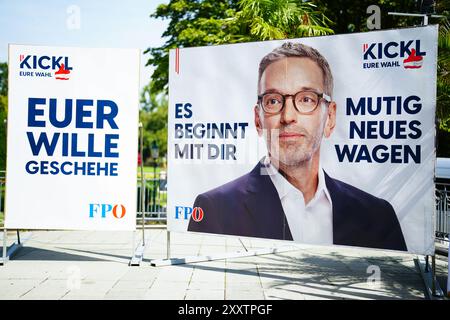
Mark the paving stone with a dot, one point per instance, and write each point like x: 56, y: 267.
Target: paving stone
x: 176, y: 273
x: 140, y: 274
x: 283, y: 294
x: 163, y: 285
x: 48, y: 290
x: 241, y: 277
x: 126, y: 294
x: 255, y: 282
x: 167, y: 294
x: 206, y: 285
x: 76, y: 295
x: 131, y: 285
x: 209, y: 274
x: 14, y: 292
x: 94, y: 265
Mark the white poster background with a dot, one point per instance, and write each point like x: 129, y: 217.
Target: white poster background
x: 221, y: 84
x: 38, y: 201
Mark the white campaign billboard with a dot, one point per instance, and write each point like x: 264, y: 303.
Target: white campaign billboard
x: 72, y: 138
x: 325, y: 140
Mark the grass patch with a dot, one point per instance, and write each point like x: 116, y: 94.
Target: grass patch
x: 148, y: 172
x: 2, y: 215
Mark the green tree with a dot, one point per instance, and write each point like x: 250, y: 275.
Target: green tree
x: 351, y: 16
x: 208, y: 22
x: 3, y: 79
x: 443, y: 90
x: 153, y: 116
x: 3, y: 112
x: 443, y: 81
x: 192, y: 23
x: 280, y: 19
x: 443, y: 73
x: 443, y: 76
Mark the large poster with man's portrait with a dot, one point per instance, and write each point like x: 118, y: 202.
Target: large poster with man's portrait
x: 324, y: 140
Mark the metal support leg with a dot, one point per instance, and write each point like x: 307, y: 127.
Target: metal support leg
x: 432, y: 289
x: 8, y: 252
x: 142, y: 181
x: 5, y: 246
x: 168, y: 245
x: 18, y: 237
x: 238, y: 254
x: 433, y: 274
x: 138, y: 254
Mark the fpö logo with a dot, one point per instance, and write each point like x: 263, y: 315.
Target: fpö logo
x: 406, y: 54
x: 185, y: 212
x: 34, y: 66
x: 101, y: 210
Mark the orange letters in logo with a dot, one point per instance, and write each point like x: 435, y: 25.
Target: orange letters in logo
x: 197, y: 214
x: 122, y: 214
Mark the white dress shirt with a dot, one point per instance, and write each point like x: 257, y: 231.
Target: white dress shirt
x: 311, y: 223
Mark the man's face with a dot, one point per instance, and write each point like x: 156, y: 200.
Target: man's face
x: 293, y: 138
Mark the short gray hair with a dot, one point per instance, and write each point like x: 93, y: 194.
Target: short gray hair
x: 290, y: 49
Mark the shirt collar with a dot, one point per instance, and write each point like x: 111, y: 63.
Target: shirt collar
x: 284, y: 187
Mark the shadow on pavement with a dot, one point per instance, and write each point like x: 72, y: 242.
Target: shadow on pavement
x: 328, y: 277
x: 28, y: 253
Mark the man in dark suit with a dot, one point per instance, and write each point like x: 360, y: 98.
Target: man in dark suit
x: 288, y: 196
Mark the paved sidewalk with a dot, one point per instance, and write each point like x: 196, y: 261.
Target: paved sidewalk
x: 94, y: 265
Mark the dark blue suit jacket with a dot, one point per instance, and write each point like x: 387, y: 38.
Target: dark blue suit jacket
x: 250, y: 206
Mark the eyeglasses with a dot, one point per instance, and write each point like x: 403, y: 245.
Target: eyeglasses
x: 305, y: 102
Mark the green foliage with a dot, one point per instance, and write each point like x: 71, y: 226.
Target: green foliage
x: 351, y: 16
x: 443, y: 81
x: 3, y: 79
x: 3, y: 117
x: 443, y: 77
x: 153, y: 116
x: 208, y: 22
x: 192, y: 23
x: 281, y: 19
x: 3, y: 112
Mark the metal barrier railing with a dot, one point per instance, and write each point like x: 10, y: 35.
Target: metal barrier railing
x: 442, y: 211
x: 2, y: 193
x: 155, y: 198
